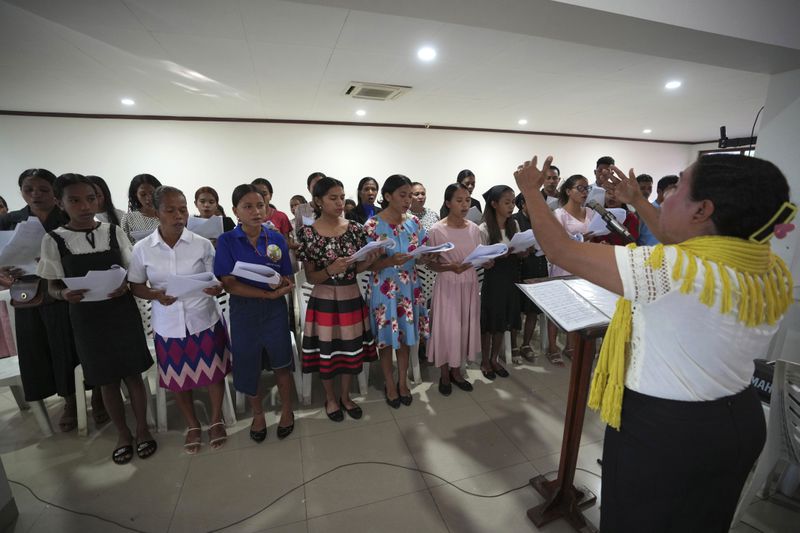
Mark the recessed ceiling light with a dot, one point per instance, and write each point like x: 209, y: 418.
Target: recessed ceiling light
x: 674, y: 84
x: 647, y: 130
x: 128, y: 101
x: 522, y: 121
x: 361, y: 112
x: 426, y: 53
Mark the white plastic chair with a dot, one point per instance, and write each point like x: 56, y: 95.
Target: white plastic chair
x: 10, y: 377
x: 783, y: 432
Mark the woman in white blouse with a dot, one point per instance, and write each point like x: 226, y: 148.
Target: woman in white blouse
x: 673, y: 376
x: 190, y: 338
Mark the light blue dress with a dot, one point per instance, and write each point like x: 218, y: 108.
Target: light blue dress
x: 398, y: 314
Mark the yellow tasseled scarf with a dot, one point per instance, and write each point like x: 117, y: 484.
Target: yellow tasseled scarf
x: 763, y: 284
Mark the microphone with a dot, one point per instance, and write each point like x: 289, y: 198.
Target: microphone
x: 611, y: 221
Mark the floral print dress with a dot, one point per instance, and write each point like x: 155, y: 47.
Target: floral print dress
x: 396, y: 301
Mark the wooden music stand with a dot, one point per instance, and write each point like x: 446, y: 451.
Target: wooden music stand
x: 562, y: 498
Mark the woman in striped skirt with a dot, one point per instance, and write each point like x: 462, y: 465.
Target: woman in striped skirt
x: 336, y: 336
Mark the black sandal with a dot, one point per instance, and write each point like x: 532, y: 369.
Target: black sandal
x: 488, y: 374
x: 500, y: 371
x: 146, y: 449
x: 405, y: 400
x: 122, y: 455
x: 285, y: 431
x: 337, y: 415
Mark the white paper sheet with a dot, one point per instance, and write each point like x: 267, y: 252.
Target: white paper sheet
x: 385, y: 244
x: 552, y: 203
x: 22, y: 246
x: 521, y: 241
x: 564, y: 305
x: 99, y: 282
x: 254, y: 272
x: 425, y: 249
x: 596, y: 193
x: 138, y: 235
x: 303, y: 216
x: 210, y: 228
x: 598, y: 226
x: 191, y: 285
x: 485, y: 253
x: 474, y: 215
x: 602, y: 299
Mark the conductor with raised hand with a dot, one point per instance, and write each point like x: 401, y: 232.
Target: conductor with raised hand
x: 673, y: 377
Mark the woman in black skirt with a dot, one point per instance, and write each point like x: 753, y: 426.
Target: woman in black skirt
x: 108, y: 333
x: 673, y: 376
x: 47, y: 357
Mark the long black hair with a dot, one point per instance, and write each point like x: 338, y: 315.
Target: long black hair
x: 66, y: 180
x: 111, y: 212
x: 392, y: 183
x: 731, y: 183
x: 241, y: 191
x: 41, y: 173
x: 490, y: 214
x: 140, y: 179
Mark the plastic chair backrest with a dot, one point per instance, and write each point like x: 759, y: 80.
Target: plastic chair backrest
x: 787, y: 378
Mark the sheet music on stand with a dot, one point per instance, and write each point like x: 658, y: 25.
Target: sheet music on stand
x: 573, y: 304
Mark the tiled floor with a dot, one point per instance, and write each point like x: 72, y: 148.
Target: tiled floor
x: 488, y: 441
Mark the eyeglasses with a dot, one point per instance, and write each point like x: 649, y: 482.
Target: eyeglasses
x: 583, y: 188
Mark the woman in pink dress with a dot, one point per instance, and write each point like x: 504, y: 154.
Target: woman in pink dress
x: 455, y: 307
x: 575, y: 219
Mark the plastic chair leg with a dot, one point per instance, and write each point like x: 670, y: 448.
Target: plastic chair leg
x: 363, y: 380
x: 80, y: 402
x: 42, y: 418
x: 297, y: 374
x: 415, y: 370
x: 19, y: 397
x: 240, y: 402
x: 161, y: 409
x: 543, y: 332
x: 151, y: 422
x: 228, y: 412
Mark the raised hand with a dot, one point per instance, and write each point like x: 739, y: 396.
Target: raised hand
x: 528, y: 177
x: 625, y: 188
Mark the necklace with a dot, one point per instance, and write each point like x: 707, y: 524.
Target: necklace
x: 255, y: 246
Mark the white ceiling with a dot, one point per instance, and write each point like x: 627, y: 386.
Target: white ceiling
x: 293, y: 60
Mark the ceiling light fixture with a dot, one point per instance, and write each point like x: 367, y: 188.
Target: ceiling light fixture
x: 426, y: 53
x: 128, y: 101
x: 647, y: 130
x: 674, y: 84
x: 522, y: 121
x: 361, y: 112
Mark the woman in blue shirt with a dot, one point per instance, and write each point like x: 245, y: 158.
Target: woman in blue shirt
x: 259, y: 319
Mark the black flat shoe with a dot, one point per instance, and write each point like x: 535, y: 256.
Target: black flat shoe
x: 405, y: 400
x: 445, y: 389
x: 394, y: 404
x: 146, y: 448
x: 488, y: 374
x: 355, y: 413
x: 462, y: 384
x: 259, y: 435
x: 336, y: 416
x: 284, y: 432
x: 502, y: 372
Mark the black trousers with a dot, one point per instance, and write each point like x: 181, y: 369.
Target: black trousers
x: 679, y: 466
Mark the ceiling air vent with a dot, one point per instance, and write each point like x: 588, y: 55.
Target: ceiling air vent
x: 375, y: 91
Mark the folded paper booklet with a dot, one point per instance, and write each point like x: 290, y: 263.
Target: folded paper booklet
x: 522, y: 241
x: 598, y: 226
x: 385, y: 244
x: 596, y: 193
x: 190, y: 285
x: 425, y: 249
x: 254, y: 272
x: 21, y: 247
x: 100, y: 283
x: 573, y: 304
x: 210, y: 228
x: 485, y: 253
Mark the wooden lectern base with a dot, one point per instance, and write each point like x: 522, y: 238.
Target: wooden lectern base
x: 562, y: 499
x: 561, y: 503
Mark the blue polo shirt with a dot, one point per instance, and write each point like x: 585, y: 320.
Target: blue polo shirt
x: 234, y: 246
x: 646, y: 237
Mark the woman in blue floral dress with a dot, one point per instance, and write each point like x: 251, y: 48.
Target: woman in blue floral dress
x: 399, y: 317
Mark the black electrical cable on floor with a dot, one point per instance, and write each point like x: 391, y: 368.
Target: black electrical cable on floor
x: 283, y: 495
x: 276, y: 500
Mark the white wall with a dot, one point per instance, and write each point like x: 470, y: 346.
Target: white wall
x: 191, y: 154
